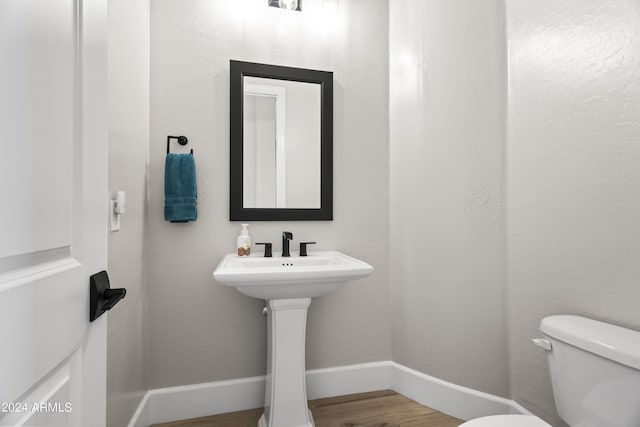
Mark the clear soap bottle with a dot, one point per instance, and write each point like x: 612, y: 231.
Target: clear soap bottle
x: 244, y: 241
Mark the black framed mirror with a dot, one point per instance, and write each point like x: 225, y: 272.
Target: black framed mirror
x: 281, y: 143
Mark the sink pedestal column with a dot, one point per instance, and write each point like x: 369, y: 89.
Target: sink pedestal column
x: 286, y: 391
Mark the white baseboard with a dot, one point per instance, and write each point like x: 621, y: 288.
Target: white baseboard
x: 341, y: 380
x: 452, y: 399
x: 198, y: 400
x: 141, y: 418
x: 179, y: 403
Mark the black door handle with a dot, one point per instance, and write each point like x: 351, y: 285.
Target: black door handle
x: 101, y: 296
x: 112, y: 296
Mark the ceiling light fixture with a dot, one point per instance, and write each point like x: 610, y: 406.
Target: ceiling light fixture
x: 286, y: 4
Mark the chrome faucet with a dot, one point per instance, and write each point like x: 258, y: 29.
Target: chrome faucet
x: 286, y: 236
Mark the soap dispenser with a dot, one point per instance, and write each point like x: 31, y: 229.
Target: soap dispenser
x: 244, y: 241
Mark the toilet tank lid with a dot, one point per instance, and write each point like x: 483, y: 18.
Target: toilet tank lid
x: 619, y: 344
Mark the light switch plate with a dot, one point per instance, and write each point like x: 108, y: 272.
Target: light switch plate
x: 114, y: 218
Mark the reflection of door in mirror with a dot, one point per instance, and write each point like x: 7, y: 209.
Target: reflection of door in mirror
x: 263, y: 146
x: 281, y: 144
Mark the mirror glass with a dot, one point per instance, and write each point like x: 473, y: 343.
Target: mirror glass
x: 281, y: 143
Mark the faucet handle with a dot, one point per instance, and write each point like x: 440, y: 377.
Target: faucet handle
x: 267, y: 249
x: 303, y: 247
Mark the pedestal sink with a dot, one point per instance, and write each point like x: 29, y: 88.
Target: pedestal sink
x: 288, y: 284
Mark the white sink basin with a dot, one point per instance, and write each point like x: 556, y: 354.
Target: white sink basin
x: 291, y: 277
x: 288, y: 284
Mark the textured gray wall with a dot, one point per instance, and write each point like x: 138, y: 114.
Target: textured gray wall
x: 447, y: 109
x: 128, y: 75
x: 573, y: 164
x: 199, y: 330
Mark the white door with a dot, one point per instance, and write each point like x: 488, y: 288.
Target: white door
x: 53, y: 207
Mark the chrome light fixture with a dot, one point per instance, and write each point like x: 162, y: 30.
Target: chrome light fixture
x: 286, y: 4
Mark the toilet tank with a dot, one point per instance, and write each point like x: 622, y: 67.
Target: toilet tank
x: 595, y: 371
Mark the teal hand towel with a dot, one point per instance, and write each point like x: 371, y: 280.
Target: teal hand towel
x: 180, y: 197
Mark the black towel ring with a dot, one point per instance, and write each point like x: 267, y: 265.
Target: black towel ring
x: 182, y: 140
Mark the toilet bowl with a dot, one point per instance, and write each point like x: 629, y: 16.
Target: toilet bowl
x: 506, y: 421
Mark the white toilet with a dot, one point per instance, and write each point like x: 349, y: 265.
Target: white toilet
x: 595, y: 373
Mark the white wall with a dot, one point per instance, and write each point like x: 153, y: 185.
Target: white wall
x: 200, y: 331
x: 447, y: 109
x: 303, y: 145
x: 128, y: 75
x: 573, y: 167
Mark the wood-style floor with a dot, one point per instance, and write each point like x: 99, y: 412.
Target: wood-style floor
x: 384, y: 408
